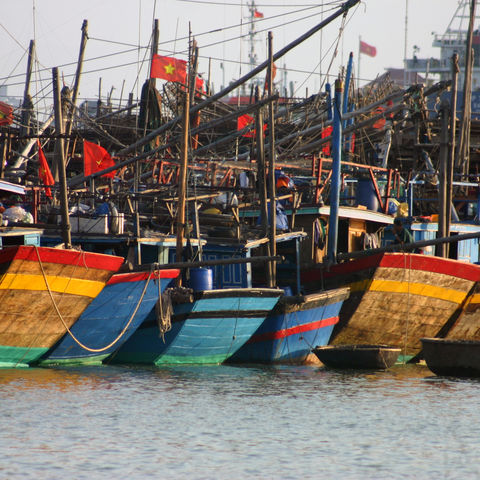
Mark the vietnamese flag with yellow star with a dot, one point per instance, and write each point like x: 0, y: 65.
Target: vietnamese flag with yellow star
x: 168, y: 68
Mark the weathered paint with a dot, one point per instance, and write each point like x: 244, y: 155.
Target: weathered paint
x: 397, y: 298
x: 290, y: 332
x: 11, y: 357
x: 29, y: 324
x: 58, y: 284
x: 108, y: 314
x: 208, y: 330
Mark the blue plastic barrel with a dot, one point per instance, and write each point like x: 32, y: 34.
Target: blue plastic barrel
x: 201, y: 279
x: 366, y: 195
x: 288, y: 291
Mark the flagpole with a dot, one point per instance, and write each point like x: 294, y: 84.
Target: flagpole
x: 359, y: 54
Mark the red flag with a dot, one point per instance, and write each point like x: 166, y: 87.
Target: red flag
x: 199, y: 85
x: 367, y: 49
x: 243, y: 121
x: 6, y: 114
x: 95, y: 159
x: 44, y: 171
x: 257, y: 14
x: 326, y: 148
x: 380, y: 123
x: 168, y: 68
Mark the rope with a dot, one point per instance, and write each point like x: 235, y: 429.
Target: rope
x: 78, y: 342
x: 164, y: 315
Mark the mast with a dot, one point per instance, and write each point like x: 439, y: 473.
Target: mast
x: 182, y: 181
x: 60, y: 160
x: 451, y: 142
x: 271, y: 170
x: 336, y: 169
x: 76, y: 85
x: 463, y: 150
x: 27, y: 103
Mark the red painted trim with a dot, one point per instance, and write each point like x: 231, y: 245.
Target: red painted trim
x: 307, y: 327
x: 64, y: 257
x: 138, y: 277
x: 426, y: 263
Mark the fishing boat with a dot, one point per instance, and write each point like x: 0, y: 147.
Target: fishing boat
x: 358, y: 356
x: 459, y: 358
x: 111, y: 318
x: 397, y: 298
x: 207, y: 327
x: 43, y: 291
x: 293, y: 327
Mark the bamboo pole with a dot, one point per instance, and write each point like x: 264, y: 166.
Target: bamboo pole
x: 208, y: 263
x: 60, y: 160
x: 336, y: 173
x: 262, y: 184
x: 406, y: 247
x: 440, y: 249
x: 271, y: 170
x: 451, y: 153
x: 25, y: 127
x: 76, y: 84
x: 464, y: 140
x: 182, y: 181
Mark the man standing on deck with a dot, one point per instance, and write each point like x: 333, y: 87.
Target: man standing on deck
x: 401, y: 234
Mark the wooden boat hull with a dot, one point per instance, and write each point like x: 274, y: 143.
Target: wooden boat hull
x: 127, y: 297
x: 466, y: 325
x: 397, y: 298
x: 459, y: 358
x: 358, y: 356
x: 293, y: 328
x: 33, y: 281
x: 206, y: 331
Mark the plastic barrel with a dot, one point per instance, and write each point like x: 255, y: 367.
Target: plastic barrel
x: 366, y: 195
x: 288, y: 291
x: 201, y: 279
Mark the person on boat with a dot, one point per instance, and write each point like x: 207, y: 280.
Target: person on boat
x: 401, y: 234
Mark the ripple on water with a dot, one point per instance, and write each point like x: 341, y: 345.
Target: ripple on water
x: 237, y: 422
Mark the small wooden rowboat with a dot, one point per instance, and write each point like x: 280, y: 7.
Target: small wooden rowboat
x: 358, y: 356
x: 459, y: 358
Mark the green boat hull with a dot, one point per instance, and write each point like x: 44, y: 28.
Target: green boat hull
x: 11, y: 357
x: 96, y: 360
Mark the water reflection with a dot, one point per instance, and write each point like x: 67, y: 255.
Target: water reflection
x: 236, y: 422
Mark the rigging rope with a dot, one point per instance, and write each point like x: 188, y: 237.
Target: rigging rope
x: 78, y: 342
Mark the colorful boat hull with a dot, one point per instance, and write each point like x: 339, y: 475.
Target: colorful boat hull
x: 207, y: 330
x: 397, y: 298
x: 111, y: 318
x: 296, y: 325
x: 43, y: 291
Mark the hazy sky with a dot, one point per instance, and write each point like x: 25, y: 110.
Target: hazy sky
x: 56, y: 27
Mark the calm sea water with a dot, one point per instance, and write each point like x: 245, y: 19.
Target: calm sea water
x: 237, y: 423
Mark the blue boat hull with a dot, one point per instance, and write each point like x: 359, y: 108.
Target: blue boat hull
x: 106, y: 318
x: 293, y: 329
x: 207, y: 330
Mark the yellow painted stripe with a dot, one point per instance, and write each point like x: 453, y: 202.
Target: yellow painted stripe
x: 475, y: 298
x: 73, y: 286
x: 421, y: 289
